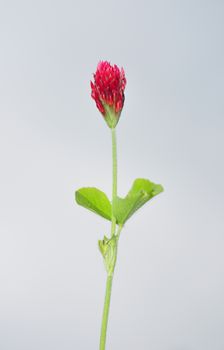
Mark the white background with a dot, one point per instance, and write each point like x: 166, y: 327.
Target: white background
x: 168, y: 291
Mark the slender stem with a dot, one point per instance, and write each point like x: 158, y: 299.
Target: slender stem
x: 106, y: 313
x: 113, y: 231
x: 119, y: 231
x: 114, y: 178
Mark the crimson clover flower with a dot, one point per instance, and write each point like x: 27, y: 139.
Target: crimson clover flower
x: 108, y: 91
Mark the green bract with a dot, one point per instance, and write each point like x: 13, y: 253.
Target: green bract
x: 95, y: 200
x: 110, y: 116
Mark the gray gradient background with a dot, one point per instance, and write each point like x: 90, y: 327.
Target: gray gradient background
x: 168, y: 292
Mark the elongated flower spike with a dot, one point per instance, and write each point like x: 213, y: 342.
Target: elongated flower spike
x: 108, y: 91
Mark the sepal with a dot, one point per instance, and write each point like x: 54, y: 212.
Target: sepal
x: 111, y: 116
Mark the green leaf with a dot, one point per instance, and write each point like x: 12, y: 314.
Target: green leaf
x: 141, y: 192
x: 95, y: 200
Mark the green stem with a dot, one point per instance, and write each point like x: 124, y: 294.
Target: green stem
x: 106, y: 313
x: 114, y: 179
x: 113, y: 231
x: 119, y: 231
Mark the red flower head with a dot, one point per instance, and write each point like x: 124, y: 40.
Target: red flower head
x: 108, y: 91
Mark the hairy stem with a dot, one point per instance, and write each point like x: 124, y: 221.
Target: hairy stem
x: 114, y: 179
x: 106, y: 313
x: 113, y: 231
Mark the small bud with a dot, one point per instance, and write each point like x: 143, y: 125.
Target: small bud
x: 108, y: 249
x: 108, y: 91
